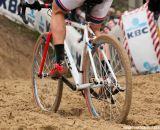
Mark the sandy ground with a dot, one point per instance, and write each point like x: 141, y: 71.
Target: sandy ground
x: 17, y: 107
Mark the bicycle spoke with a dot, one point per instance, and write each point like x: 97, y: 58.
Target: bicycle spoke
x: 46, y: 67
x: 109, y: 100
x: 48, y: 92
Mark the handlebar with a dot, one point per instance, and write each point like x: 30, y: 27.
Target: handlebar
x: 23, y: 6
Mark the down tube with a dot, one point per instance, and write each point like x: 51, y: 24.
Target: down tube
x: 73, y: 69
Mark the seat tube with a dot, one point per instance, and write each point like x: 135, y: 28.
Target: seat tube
x: 90, y: 54
x: 92, y: 64
x: 49, y: 36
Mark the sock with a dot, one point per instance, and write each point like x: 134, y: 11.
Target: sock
x: 105, y: 67
x: 59, y: 49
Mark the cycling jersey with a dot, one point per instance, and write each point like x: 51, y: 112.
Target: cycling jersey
x: 97, y: 14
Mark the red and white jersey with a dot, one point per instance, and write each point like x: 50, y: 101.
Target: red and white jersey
x: 98, y: 13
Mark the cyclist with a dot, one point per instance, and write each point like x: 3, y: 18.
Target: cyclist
x: 95, y: 9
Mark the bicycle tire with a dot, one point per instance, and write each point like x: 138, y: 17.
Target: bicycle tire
x: 53, y: 88
x: 90, y: 93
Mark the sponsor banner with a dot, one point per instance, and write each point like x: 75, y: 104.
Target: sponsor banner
x: 118, y: 33
x: 140, y: 41
x: 38, y: 20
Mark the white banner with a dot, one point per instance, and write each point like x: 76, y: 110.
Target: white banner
x: 140, y: 41
x: 38, y: 20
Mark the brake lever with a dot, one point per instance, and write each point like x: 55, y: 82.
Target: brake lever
x: 22, y: 9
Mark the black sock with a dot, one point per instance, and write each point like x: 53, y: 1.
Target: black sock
x: 105, y: 67
x: 59, y: 49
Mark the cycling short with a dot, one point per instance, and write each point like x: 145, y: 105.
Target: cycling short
x: 98, y: 12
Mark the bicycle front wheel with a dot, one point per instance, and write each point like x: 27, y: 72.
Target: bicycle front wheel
x: 112, y: 99
x: 47, y: 92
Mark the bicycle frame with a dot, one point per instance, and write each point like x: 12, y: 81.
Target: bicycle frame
x: 77, y: 75
x: 87, y: 46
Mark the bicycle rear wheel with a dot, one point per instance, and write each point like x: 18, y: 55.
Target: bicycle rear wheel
x: 111, y: 100
x: 47, y: 92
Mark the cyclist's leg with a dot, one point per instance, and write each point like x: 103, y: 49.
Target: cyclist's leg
x: 98, y: 15
x: 60, y: 7
x: 58, y: 31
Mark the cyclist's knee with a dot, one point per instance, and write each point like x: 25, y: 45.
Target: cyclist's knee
x: 96, y: 28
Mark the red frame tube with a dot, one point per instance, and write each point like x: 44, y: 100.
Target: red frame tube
x: 49, y: 36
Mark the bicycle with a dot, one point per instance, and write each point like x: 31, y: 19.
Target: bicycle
x: 106, y: 84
